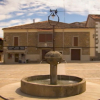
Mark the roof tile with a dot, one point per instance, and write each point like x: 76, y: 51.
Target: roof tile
x: 95, y: 17
x: 45, y: 24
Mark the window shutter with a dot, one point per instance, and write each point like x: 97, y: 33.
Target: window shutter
x: 45, y: 37
x: 15, y: 41
x: 48, y: 37
x: 75, y: 41
x: 41, y: 37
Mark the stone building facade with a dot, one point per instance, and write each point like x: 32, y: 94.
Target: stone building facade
x: 31, y: 42
x: 94, y: 21
x: 1, y: 50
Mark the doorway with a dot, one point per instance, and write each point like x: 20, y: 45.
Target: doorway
x: 75, y: 54
x: 16, y: 57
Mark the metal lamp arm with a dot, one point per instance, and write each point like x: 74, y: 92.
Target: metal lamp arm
x: 49, y: 20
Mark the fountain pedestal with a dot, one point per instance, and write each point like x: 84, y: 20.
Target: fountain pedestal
x: 53, y: 58
x: 53, y: 74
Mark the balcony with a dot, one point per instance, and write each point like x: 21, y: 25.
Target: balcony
x: 14, y: 49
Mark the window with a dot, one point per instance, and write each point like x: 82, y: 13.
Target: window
x: 75, y: 40
x: 15, y: 41
x: 45, y: 37
x: 9, y: 56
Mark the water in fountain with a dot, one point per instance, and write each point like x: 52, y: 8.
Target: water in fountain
x: 47, y: 82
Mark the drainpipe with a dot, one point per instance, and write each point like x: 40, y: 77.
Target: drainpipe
x: 27, y: 37
x: 63, y: 28
x: 26, y: 44
x: 63, y: 44
x: 64, y: 22
x: 95, y: 44
x: 63, y: 39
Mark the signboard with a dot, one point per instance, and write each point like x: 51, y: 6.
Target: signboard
x: 16, y: 48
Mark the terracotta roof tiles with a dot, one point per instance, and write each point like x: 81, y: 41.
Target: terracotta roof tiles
x: 95, y: 17
x: 45, y: 24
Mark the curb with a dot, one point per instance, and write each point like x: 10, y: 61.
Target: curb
x: 3, y: 98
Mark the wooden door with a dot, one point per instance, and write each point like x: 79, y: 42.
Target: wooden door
x: 16, y: 57
x: 15, y: 41
x: 75, y: 54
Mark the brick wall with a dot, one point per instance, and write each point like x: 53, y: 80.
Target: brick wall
x: 58, y: 39
x: 9, y: 39
x: 84, y: 41
x: 32, y: 38
x: 33, y: 50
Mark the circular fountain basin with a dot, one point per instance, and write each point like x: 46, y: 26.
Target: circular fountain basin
x: 40, y: 86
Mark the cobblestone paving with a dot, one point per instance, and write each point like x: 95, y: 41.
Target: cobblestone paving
x: 12, y: 73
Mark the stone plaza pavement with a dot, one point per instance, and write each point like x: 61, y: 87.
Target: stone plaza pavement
x: 13, y: 73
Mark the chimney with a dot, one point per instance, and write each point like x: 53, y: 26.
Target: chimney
x: 33, y: 20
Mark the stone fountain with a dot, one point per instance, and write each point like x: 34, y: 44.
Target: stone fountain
x: 69, y: 85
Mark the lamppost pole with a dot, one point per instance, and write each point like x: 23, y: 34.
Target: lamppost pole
x: 53, y: 39
x: 53, y: 24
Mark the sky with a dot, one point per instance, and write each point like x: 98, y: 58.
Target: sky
x: 18, y: 12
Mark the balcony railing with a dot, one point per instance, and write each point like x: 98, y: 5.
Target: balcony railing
x: 16, y: 47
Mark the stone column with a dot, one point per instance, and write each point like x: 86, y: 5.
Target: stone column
x: 53, y: 74
x: 53, y: 58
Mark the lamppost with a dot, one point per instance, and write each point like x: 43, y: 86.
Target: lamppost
x: 53, y: 14
x: 53, y: 57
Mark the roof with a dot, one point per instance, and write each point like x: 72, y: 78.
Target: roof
x: 95, y: 17
x: 46, y: 25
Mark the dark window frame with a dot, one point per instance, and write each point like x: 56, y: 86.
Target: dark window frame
x: 16, y: 43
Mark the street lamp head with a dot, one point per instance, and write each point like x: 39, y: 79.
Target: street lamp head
x: 50, y: 10
x: 53, y: 15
